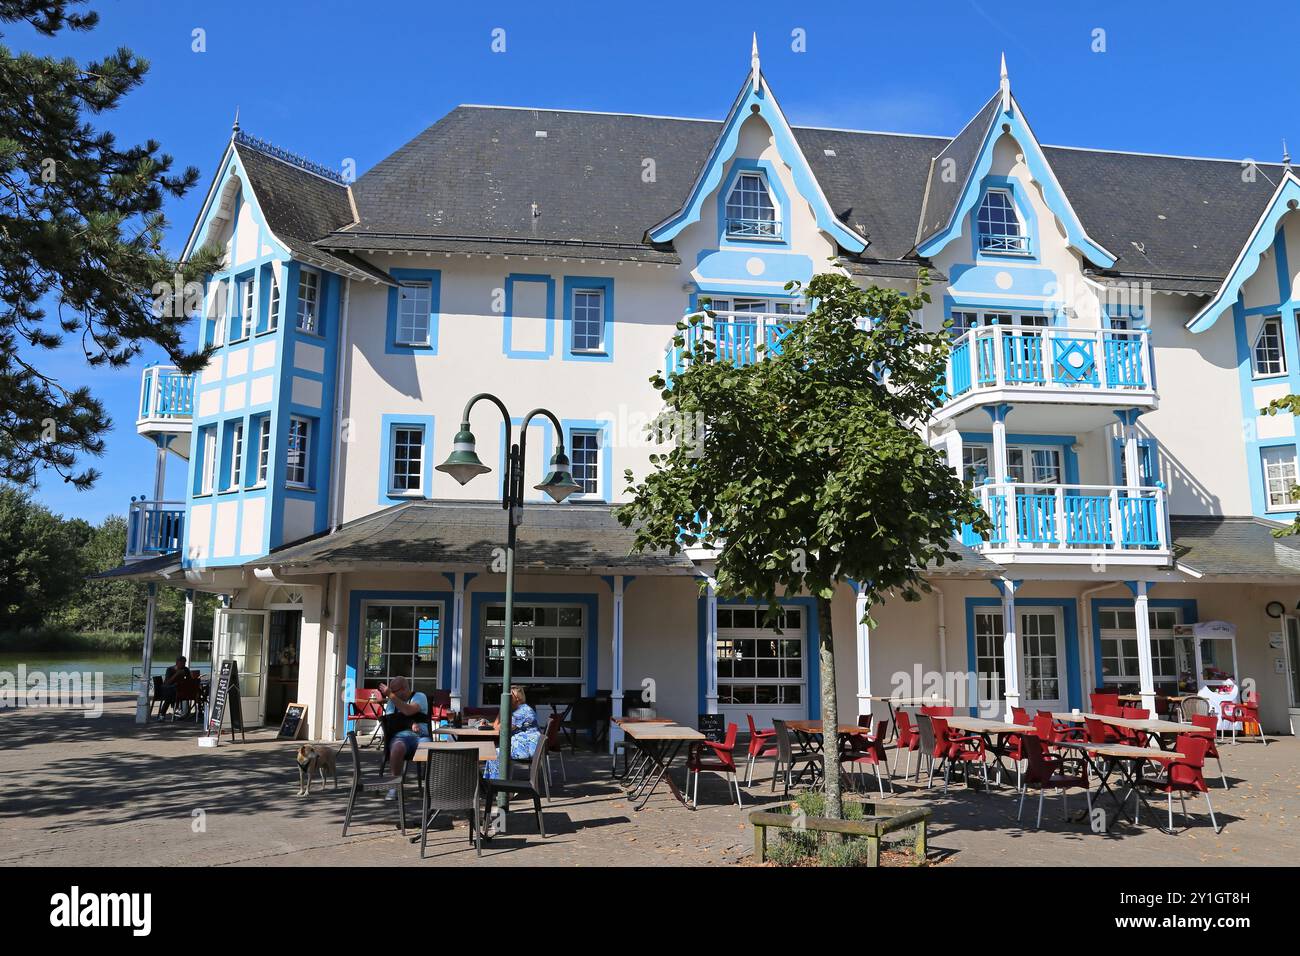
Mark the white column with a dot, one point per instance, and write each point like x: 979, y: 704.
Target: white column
x: 864, y: 652
x: 187, y: 631
x: 1146, y: 673
x: 955, y: 451
x: 146, y: 678
x: 457, y: 636
x: 711, y: 649
x: 160, y: 474
x: 999, y: 448
x: 616, y: 664
x: 1132, y: 461
x: 1010, y: 647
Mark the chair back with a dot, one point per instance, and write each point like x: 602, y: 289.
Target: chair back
x: 1096, y: 730
x: 729, y: 742
x: 1194, y: 707
x: 367, y: 704
x: 937, y: 711
x: 537, y: 769
x: 1020, y: 716
x: 552, y: 734
x: 356, y: 759
x: 784, y: 752
x: 157, y: 686
x: 452, y: 778
x: 1187, y: 771
x: 941, y: 745
x: 1102, y: 699
x: 187, y: 688
x: 1037, y: 770
x: 1043, y: 726
x: 1212, y: 725
x: 1109, y: 710
x: 903, y: 724
x: 439, y: 703
x: 925, y: 732
x: 753, y: 730
x: 1134, y: 713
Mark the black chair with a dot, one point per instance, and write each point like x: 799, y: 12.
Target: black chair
x: 360, y: 786
x: 531, y: 789
x: 581, y: 716
x: 156, y: 703
x: 787, y: 759
x: 452, y: 786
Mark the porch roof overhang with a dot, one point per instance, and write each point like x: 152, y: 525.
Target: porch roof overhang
x: 572, y: 538
x: 1234, y: 550
x: 165, y: 568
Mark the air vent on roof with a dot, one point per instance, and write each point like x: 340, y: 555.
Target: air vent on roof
x: 828, y: 152
x: 540, y: 134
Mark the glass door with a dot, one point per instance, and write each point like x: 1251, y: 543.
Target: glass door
x: 241, y: 637
x: 1041, y: 642
x: 1293, y: 660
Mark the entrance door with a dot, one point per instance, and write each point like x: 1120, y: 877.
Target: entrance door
x: 761, y: 672
x: 1293, y: 667
x: 241, y: 637
x: 284, y: 645
x: 1043, y: 656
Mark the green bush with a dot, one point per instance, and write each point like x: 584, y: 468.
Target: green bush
x: 57, y: 639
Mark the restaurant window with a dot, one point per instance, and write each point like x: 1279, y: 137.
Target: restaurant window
x: 756, y: 664
x: 990, y: 661
x: 1119, y: 647
x: 402, y: 640
x: 549, y: 644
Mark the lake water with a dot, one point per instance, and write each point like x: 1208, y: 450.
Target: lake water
x: 116, y: 668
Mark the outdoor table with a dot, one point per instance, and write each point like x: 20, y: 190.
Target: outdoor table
x: 1159, y: 729
x: 466, y: 733
x: 631, y: 767
x: 810, y: 732
x: 1175, y: 700
x: 892, y: 702
x: 1130, y: 761
x: 660, y: 744
x: 988, y: 729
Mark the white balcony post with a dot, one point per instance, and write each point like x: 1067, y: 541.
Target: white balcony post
x: 863, y: 635
x: 1116, y: 532
x: 956, y: 451
x: 1010, y: 647
x: 1162, y: 517
x: 146, y: 663
x: 160, y: 473
x: 711, y: 648
x: 1146, y: 672
x: 1060, y: 516
x: 999, y: 366
x: 616, y: 664
x: 187, y: 630
x: 457, y: 637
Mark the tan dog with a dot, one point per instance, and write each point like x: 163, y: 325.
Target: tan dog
x: 313, y: 759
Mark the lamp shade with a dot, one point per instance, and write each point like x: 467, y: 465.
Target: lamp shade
x: 463, y: 462
x: 559, y: 483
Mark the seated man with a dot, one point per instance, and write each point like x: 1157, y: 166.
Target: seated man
x: 168, y: 695
x: 406, y: 724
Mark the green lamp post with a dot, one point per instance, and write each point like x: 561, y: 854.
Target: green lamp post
x: 463, y: 464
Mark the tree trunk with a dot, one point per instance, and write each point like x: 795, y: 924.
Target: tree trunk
x: 830, y: 710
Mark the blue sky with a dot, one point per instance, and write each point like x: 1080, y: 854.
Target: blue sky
x: 347, y: 80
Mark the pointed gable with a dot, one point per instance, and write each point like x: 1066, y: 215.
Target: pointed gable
x: 956, y: 175
x: 755, y: 98
x: 1286, y: 199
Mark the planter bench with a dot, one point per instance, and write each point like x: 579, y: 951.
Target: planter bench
x: 881, y: 818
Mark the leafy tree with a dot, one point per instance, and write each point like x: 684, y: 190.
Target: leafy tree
x: 1290, y: 405
x: 810, y: 468
x: 40, y: 562
x: 81, y: 233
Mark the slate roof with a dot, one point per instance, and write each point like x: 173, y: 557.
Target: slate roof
x: 469, y: 182
x: 1240, y: 548
x: 150, y: 569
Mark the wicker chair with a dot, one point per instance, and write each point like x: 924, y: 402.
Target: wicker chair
x: 531, y: 789
x: 360, y: 786
x: 451, y: 785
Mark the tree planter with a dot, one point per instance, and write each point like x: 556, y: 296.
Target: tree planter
x: 880, y: 819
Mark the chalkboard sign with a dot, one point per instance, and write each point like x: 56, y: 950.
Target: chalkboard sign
x: 714, y: 727
x: 294, y: 724
x: 223, y: 699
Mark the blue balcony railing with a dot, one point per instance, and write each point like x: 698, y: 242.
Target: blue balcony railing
x: 1071, y: 517
x: 1000, y: 356
x: 737, y: 337
x: 166, y: 395
x: 154, y: 528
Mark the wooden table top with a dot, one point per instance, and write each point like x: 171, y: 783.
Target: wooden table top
x: 816, y: 727
x: 662, y: 732
x: 486, y: 750
x: 485, y: 733
x: 1123, y: 751
x: 1150, y: 726
x: 623, y: 721
x: 1137, y: 698
x: 982, y: 725
x: 915, y: 701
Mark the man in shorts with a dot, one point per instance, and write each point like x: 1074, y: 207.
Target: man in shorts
x: 399, y: 700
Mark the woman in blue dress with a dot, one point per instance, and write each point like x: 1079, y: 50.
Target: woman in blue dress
x: 524, y: 732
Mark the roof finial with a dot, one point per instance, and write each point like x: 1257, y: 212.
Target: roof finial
x: 234, y: 127
x: 753, y: 61
x: 1286, y: 155
x: 1004, y: 83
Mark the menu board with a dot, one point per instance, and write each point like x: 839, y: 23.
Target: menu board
x: 713, y: 727
x: 222, y: 700
x: 294, y: 724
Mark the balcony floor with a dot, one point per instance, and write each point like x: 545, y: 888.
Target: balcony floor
x: 1048, y: 410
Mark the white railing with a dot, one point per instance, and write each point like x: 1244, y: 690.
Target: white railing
x: 166, y: 394
x: 154, y: 528
x: 999, y: 356
x: 1101, y: 518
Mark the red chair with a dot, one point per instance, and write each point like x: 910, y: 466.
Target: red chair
x: 439, y: 705
x: 937, y: 711
x: 1185, y: 775
x: 1013, y: 745
x: 1045, y: 770
x: 1100, y: 733
x: 762, y: 743
x: 859, y: 749
x: 906, y: 739
x: 1209, y: 723
x: 1247, y: 712
x: 717, y: 757
x: 1102, y: 699
x: 1059, y: 730
x: 1135, y: 713
x: 959, y: 749
x: 1020, y: 716
x: 553, y: 748
x: 368, y: 705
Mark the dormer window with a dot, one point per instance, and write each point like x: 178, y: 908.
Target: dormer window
x: 751, y: 214
x: 1000, y: 228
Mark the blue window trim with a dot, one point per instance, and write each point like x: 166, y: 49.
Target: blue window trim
x: 1188, y: 606
x: 352, y: 667
x: 605, y: 428
x: 812, y: 640
x: 388, y: 424
x: 434, y: 278
x: 779, y: 199
x: 507, y: 346
x: 590, y: 602
x: 1150, y: 457
x: 1014, y: 189
x: 1069, y: 621
x: 606, y: 285
x: 540, y: 425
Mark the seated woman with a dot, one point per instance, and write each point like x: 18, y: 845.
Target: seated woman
x: 524, y: 732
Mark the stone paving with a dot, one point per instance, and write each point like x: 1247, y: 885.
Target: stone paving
x: 107, y: 792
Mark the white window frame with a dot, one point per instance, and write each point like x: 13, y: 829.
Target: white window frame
x: 387, y: 657
x: 737, y: 187
x: 218, y: 309
x: 598, y: 465
x: 729, y: 633
x: 406, y: 330
x: 578, y: 632
x: 273, y: 304
x: 309, y: 304
x: 1119, y: 635
x: 208, y: 471
x: 421, y: 464
x: 1271, y: 323
x: 1022, y: 234
x: 1290, y: 502
x: 599, y: 347
x: 263, y: 450
x: 990, y: 658
x: 234, y: 477
x: 247, y: 292
x: 304, y: 465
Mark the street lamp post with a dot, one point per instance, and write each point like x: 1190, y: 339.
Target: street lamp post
x: 463, y: 464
